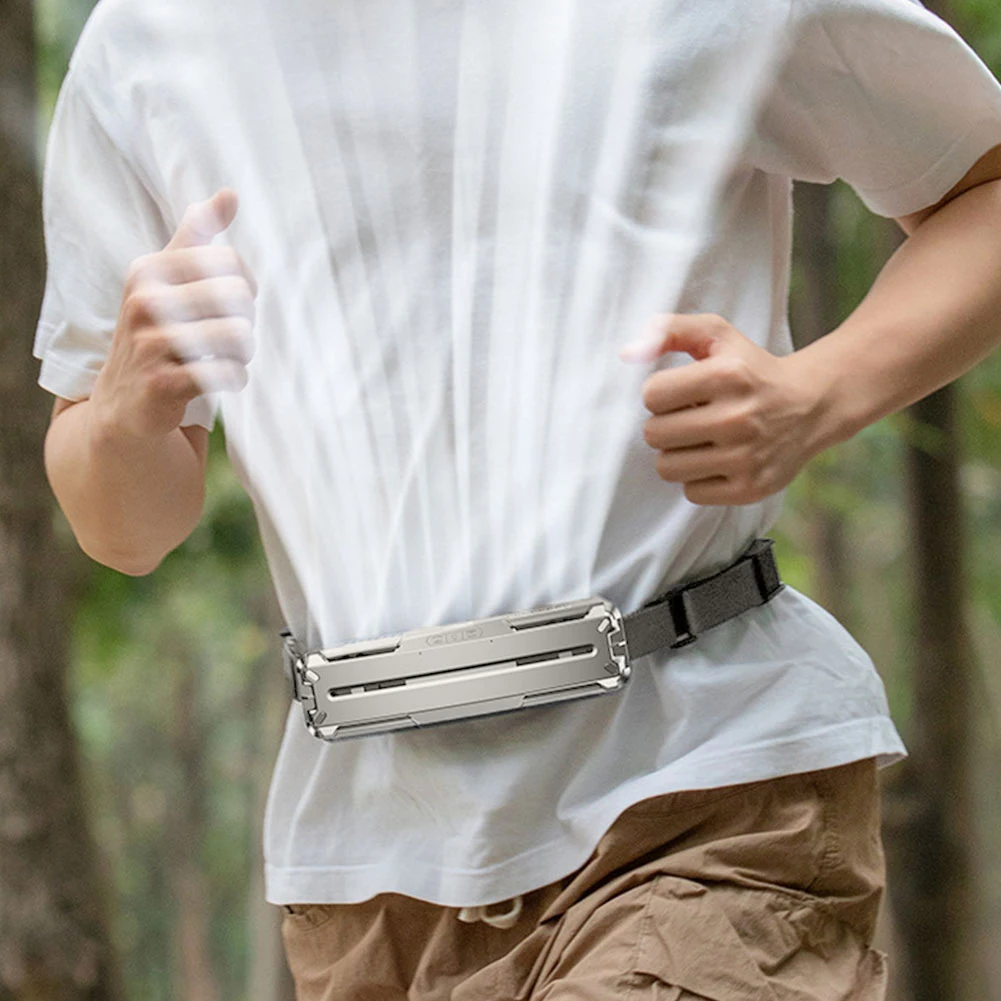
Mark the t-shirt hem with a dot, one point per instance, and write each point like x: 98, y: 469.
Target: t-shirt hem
x: 76, y: 382
x: 447, y: 886
x: 71, y: 382
x: 939, y: 179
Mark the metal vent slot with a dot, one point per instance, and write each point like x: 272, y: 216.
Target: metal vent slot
x: 572, y: 652
x: 491, y: 664
x: 374, y: 687
x: 567, y: 616
x: 371, y: 649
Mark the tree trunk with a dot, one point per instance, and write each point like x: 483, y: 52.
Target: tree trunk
x: 54, y: 942
x: 268, y: 978
x: 815, y: 306
x: 933, y: 837
x: 194, y: 973
x: 930, y: 818
x: 816, y: 312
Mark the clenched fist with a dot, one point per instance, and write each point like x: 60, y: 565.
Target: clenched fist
x: 735, y: 426
x: 185, y: 327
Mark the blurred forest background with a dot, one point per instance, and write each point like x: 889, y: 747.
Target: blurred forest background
x: 130, y: 864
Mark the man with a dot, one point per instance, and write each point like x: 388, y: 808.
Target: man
x: 450, y: 220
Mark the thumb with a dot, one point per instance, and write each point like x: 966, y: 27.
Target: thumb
x: 696, y: 334
x: 205, y: 220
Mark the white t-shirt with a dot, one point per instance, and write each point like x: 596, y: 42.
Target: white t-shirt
x: 457, y: 212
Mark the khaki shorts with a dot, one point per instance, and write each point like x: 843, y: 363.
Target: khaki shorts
x: 761, y: 892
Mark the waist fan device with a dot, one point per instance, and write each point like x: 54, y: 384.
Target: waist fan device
x: 501, y: 663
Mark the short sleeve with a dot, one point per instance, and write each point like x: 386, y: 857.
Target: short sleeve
x: 882, y: 94
x: 99, y: 214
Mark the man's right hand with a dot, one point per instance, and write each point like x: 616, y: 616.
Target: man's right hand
x: 185, y: 327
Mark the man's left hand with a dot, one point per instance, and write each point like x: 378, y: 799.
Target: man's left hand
x: 734, y: 427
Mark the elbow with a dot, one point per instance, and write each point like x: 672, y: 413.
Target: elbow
x: 130, y: 564
x: 135, y: 569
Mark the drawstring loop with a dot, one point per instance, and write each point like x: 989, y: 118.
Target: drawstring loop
x: 504, y: 920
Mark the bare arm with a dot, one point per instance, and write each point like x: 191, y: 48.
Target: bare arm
x: 932, y: 314
x: 129, y: 502
x: 741, y: 424
x: 128, y: 477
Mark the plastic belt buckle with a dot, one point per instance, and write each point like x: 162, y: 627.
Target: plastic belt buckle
x: 765, y: 571
x: 680, y: 619
x: 293, y: 661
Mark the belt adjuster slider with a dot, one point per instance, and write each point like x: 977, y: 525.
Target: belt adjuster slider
x: 294, y: 662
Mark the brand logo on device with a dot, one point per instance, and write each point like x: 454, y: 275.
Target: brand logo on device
x: 469, y: 633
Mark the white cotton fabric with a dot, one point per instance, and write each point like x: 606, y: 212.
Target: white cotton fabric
x: 457, y: 212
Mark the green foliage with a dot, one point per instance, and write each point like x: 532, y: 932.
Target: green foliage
x: 979, y: 22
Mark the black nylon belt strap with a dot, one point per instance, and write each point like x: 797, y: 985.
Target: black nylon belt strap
x: 676, y: 618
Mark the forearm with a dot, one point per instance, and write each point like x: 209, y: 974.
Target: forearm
x: 129, y: 501
x: 932, y: 315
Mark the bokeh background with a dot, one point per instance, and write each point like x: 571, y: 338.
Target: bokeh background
x: 139, y: 717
